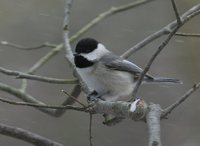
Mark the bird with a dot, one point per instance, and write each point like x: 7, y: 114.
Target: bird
x: 110, y: 76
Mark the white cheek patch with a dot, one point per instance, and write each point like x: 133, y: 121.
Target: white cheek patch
x: 134, y: 105
x: 97, y: 53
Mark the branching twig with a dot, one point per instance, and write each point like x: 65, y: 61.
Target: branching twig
x: 45, y: 58
x: 41, y: 62
x: 163, y: 31
x: 27, y: 136
x: 56, y: 112
x: 170, y: 108
x: 43, y: 106
x: 25, y: 97
x: 57, y: 48
x: 160, y: 48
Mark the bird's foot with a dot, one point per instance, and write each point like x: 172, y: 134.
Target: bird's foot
x: 94, y: 96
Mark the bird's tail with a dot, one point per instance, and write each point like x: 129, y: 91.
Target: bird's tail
x: 165, y: 80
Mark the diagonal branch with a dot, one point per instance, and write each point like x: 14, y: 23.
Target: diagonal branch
x: 41, y: 62
x: 110, y: 12
x: 160, y: 48
x: 163, y: 31
x: 170, y: 108
x: 24, y: 96
x: 30, y: 100
x: 27, y: 136
x: 45, y: 58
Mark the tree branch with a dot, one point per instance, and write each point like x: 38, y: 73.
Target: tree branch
x: 163, y: 31
x: 160, y: 48
x: 41, y: 62
x: 153, y: 124
x: 187, y: 34
x: 27, y: 136
x: 69, y: 101
x: 43, y: 106
x: 176, y: 12
x: 170, y: 108
x: 9, y: 44
x: 133, y: 110
x: 21, y: 75
x: 24, y: 96
x: 110, y: 12
x: 56, y: 112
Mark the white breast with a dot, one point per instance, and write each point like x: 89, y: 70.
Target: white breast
x: 91, y: 81
x: 117, y: 83
x: 110, y: 84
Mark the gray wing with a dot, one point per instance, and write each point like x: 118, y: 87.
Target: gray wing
x: 115, y: 62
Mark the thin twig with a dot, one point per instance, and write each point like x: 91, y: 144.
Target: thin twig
x: 176, y: 12
x: 22, y: 75
x: 187, y: 34
x: 42, y: 106
x: 16, y: 46
x: 25, y: 97
x: 41, y: 62
x: 30, y: 99
x: 45, y: 58
x: 90, y: 130
x: 170, y: 108
x: 160, y: 48
x: 83, y: 105
x: 69, y: 101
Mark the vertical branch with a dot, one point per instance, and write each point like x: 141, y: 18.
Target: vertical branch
x: 68, y: 50
x: 176, y: 12
x: 67, y: 46
x: 153, y: 123
x: 111, y: 11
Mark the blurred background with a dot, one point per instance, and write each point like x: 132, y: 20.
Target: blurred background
x: 33, y: 22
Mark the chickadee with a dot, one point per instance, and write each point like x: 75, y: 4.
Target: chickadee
x: 111, y: 76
